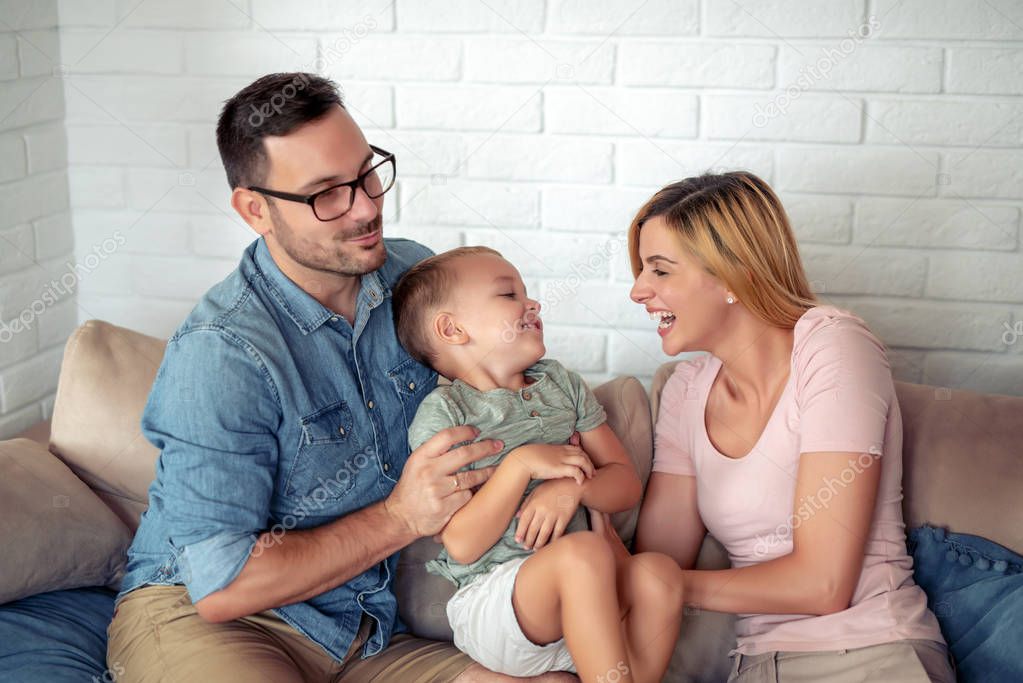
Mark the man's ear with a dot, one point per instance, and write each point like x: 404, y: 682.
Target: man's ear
x: 253, y: 209
x: 447, y: 329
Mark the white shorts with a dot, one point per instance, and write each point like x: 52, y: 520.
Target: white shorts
x: 483, y: 620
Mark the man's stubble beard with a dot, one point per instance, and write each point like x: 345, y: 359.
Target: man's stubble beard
x: 335, y: 258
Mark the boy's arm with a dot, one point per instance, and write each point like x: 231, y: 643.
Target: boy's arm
x: 615, y: 486
x: 478, y: 524
x: 546, y: 513
x: 481, y: 522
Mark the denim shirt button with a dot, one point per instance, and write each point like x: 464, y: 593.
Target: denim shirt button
x: 386, y: 467
x: 369, y: 404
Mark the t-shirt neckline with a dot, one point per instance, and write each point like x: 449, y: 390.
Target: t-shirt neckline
x: 718, y: 364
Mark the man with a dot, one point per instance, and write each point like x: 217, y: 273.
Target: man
x: 284, y: 488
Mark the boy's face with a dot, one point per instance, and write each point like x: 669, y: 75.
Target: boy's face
x: 491, y: 305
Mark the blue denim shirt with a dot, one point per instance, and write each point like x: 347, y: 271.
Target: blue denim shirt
x: 274, y: 413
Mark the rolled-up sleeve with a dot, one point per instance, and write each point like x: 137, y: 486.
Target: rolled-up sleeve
x: 214, y: 413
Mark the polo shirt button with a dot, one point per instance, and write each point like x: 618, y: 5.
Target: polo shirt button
x: 341, y: 431
x: 527, y: 395
x: 369, y: 405
x: 534, y: 413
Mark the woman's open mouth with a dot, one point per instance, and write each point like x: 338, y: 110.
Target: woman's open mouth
x: 665, y: 321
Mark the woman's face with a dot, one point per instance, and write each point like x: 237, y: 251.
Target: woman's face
x: 688, y: 303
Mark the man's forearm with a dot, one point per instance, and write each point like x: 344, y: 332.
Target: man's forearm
x: 302, y: 564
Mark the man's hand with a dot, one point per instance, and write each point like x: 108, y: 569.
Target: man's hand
x: 546, y: 512
x: 546, y: 461
x: 431, y: 489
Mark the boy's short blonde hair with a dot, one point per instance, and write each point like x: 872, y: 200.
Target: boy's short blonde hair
x: 422, y: 290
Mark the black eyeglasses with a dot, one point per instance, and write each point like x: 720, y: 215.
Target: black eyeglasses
x: 337, y: 200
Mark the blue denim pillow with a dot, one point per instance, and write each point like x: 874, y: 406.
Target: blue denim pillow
x: 58, y: 637
x: 975, y: 588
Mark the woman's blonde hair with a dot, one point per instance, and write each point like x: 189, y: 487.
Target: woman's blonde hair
x: 735, y: 227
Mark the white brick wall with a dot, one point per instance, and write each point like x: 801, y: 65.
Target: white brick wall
x: 892, y: 129
x: 37, y: 312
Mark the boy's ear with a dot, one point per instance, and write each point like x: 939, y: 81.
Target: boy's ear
x: 447, y: 329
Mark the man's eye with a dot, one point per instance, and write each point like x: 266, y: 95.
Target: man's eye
x: 510, y: 295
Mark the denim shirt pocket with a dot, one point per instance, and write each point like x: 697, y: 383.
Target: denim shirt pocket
x: 412, y: 382
x: 328, y: 453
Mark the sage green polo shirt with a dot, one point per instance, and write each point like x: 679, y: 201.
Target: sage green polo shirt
x: 549, y: 410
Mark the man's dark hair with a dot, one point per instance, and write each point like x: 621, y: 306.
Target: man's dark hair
x: 275, y: 104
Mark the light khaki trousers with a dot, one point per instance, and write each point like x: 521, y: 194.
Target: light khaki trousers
x: 902, y: 661
x: 157, y: 635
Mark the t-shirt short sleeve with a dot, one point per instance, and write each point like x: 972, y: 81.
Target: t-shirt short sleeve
x: 435, y: 413
x: 589, y: 413
x: 672, y: 448
x: 844, y: 386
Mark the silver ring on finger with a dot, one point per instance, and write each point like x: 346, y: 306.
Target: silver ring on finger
x: 454, y: 483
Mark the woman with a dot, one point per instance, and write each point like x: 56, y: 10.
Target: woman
x: 785, y: 443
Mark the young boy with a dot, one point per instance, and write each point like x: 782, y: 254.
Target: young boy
x: 531, y: 598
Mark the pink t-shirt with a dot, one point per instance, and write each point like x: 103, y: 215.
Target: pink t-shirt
x: 839, y: 397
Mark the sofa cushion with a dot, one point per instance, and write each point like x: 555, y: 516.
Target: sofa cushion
x: 962, y: 464
x: 423, y: 597
x: 57, y: 534
x: 104, y: 382
x: 975, y: 588
x: 58, y: 637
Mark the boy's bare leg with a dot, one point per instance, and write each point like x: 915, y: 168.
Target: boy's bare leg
x: 568, y: 589
x: 650, y: 594
x: 650, y: 590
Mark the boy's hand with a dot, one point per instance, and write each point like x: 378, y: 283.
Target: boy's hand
x: 546, y: 512
x: 545, y: 461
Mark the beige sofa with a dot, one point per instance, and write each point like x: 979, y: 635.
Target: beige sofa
x: 961, y: 467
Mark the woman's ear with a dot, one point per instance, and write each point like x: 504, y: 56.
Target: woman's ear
x: 447, y: 329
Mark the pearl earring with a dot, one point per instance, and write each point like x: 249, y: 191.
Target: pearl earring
x: 730, y: 299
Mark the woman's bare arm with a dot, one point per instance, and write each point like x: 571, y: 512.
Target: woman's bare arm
x: 820, y: 575
x: 669, y: 521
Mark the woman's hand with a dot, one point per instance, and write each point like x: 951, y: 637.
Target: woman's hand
x: 601, y: 524
x: 546, y: 461
x: 546, y: 512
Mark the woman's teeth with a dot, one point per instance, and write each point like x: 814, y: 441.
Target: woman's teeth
x: 664, y: 318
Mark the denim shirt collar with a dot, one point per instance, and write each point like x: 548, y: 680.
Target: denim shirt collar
x: 306, y: 312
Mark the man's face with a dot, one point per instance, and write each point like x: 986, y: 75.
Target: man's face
x: 322, y: 153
